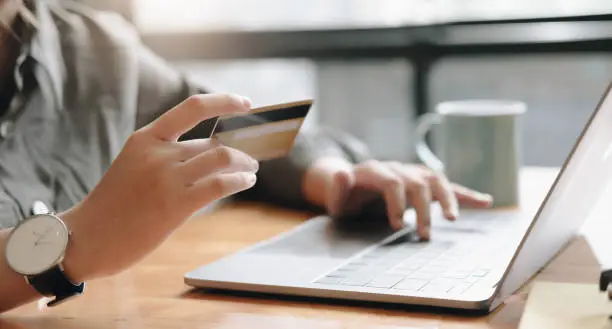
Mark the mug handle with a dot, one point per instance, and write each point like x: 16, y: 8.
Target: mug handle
x: 423, y: 152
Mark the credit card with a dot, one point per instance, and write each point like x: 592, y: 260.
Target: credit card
x: 264, y: 133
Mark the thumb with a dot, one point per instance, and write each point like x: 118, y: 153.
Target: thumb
x: 337, y: 191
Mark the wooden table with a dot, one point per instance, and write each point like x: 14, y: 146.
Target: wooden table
x: 153, y: 295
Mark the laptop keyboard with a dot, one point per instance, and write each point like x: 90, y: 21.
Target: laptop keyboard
x: 440, y: 267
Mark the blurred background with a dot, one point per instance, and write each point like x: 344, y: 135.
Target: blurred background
x: 373, y: 66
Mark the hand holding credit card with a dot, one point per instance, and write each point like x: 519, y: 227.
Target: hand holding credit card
x: 264, y: 133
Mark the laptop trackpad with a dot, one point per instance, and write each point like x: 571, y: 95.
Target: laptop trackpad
x: 323, y: 237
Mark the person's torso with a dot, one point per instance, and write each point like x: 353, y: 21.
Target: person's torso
x: 66, y: 131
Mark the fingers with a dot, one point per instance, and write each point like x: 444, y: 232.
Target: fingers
x: 443, y: 192
x: 191, y: 148
x: 463, y: 195
x: 195, y: 109
x: 217, y: 160
x: 450, y: 195
x: 338, y: 190
x: 472, y: 198
x: 215, y: 187
x: 420, y: 193
x: 375, y: 175
x: 327, y: 183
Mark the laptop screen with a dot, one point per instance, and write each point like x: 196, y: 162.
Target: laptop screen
x: 584, y: 185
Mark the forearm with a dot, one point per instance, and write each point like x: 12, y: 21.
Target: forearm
x: 14, y: 290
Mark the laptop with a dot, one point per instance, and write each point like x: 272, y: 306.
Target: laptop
x: 474, y: 263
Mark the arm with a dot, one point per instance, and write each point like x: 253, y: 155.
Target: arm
x: 160, y: 88
x: 323, y: 170
x: 187, y: 176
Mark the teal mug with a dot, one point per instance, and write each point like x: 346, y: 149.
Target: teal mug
x: 478, y: 145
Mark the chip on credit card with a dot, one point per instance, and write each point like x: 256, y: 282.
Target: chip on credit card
x: 264, y: 133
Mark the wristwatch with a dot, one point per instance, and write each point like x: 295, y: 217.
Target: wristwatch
x: 35, y: 249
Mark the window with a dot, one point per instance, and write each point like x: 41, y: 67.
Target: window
x: 153, y: 16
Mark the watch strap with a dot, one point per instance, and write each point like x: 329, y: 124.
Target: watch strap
x: 54, y: 282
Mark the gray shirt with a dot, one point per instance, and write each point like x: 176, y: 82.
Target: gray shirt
x: 85, y: 82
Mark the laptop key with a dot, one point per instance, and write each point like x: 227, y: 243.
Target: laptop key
x: 400, y: 271
x: 447, y: 282
x: 433, y: 269
x: 441, y: 263
x: 339, y: 274
x: 350, y: 267
x: 469, y: 269
x: 385, y: 281
x: 412, y: 266
x: 423, y: 276
x: 410, y: 284
x: 471, y: 279
x: 345, y: 271
x: 436, y: 288
x: 389, y: 261
x: 373, y: 269
x: 460, y: 288
x: 456, y: 275
x: 358, y: 280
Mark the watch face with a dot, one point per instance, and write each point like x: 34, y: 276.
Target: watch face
x: 37, y: 244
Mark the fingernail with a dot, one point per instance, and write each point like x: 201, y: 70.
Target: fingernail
x: 399, y: 222
x: 246, y: 101
x: 255, y: 164
x: 486, y: 197
x: 455, y: 212
x: 425, y: 233
x: 252, y: 178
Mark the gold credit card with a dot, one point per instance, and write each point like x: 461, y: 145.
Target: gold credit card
x: 264, y: 133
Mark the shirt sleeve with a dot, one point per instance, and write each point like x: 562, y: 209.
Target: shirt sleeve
x: 279, y: 180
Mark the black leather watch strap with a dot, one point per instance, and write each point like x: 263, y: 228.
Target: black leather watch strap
x: 55, y: 283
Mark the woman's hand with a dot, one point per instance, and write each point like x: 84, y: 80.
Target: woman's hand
x: 341, y: 187
x: 155, y: 184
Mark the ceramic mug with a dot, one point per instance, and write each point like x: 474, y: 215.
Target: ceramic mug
x: 478, y: 144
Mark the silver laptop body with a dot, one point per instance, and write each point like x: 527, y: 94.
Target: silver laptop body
x: 473, y: 263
